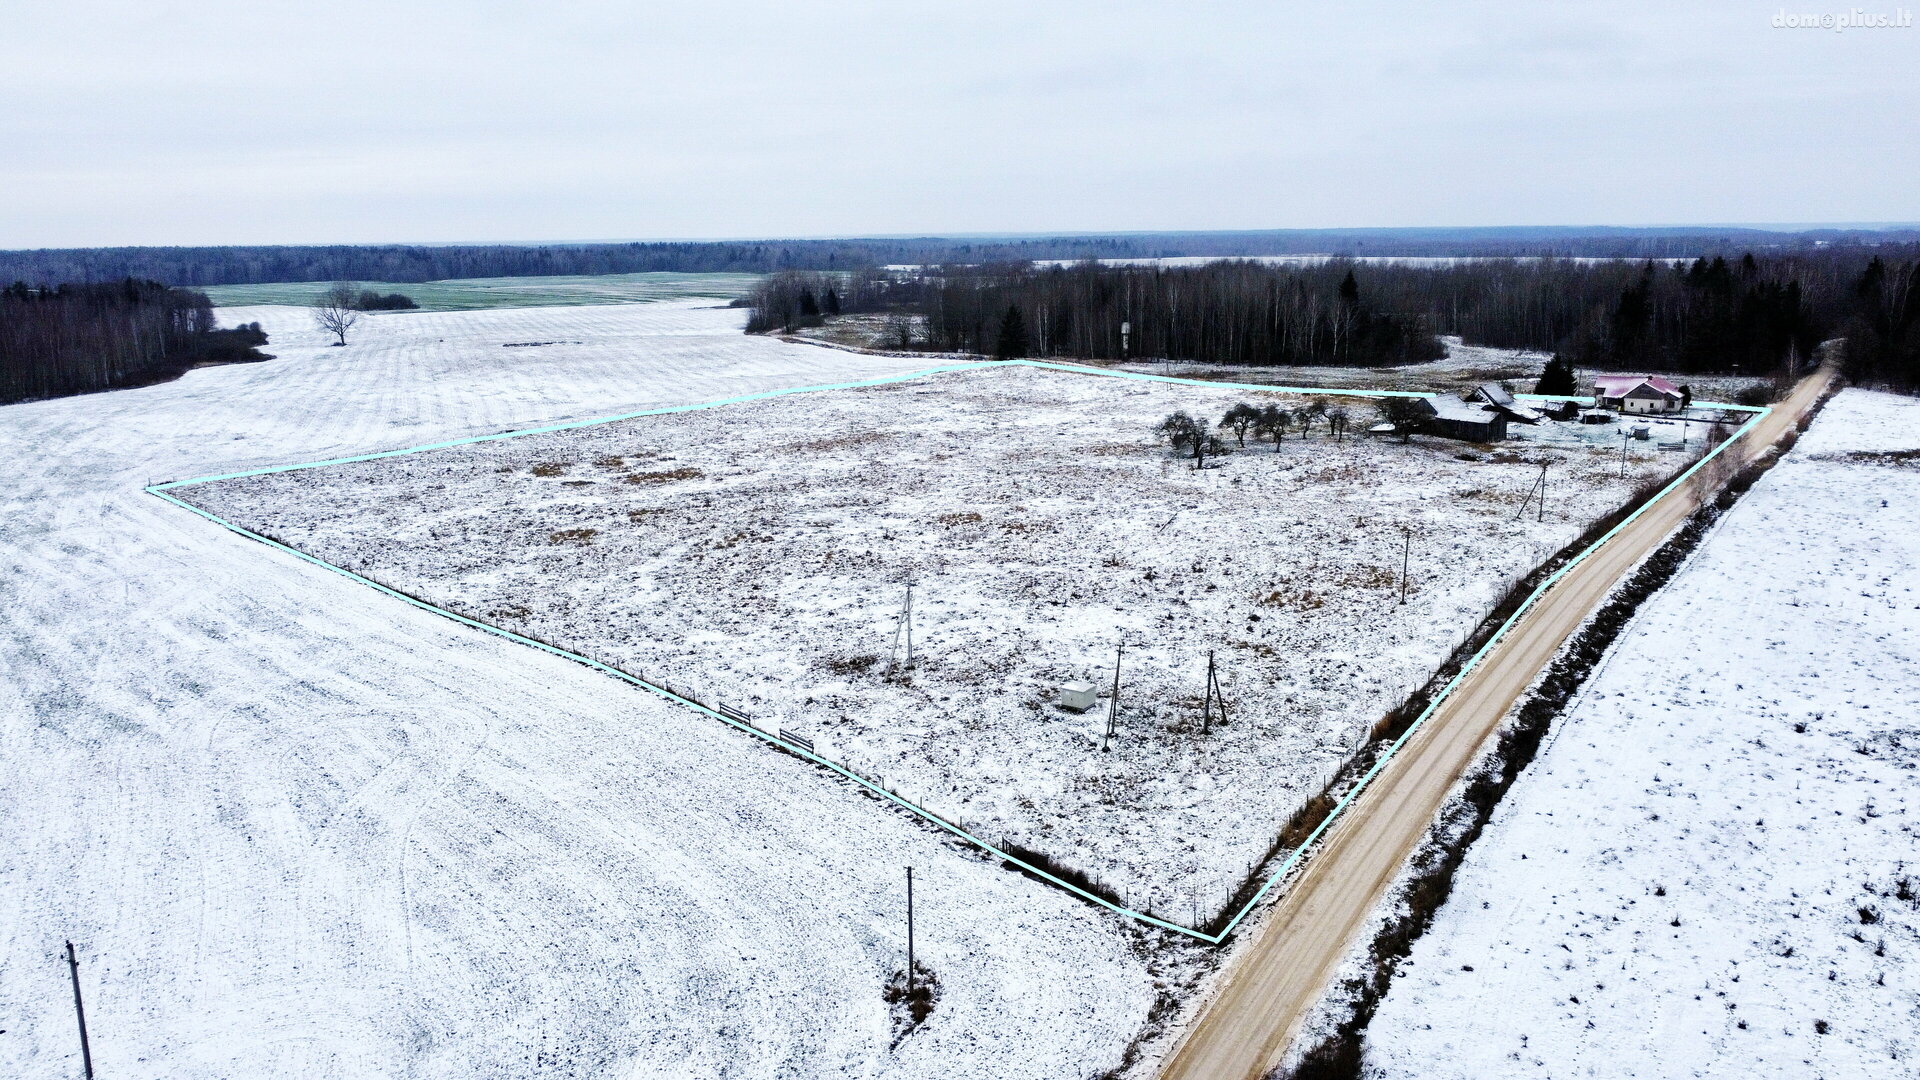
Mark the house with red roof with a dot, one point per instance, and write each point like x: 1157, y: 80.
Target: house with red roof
x: 1637, y: 394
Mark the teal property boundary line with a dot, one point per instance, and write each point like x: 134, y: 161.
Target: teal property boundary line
x: 163, y: 490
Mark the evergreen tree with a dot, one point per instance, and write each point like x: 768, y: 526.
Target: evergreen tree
x: 1013, y: 335
x: 1633, y: 321
x: 831, y: 302
x: 809, y: 307
x: 1349, y: 289
x: 1558, y: 378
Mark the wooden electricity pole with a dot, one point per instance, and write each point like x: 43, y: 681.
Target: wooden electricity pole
x: 1539, y: 487
x: 909, y: 931
x: 1113, y: 702
x: 904, y: 630
x: 1214, y: 693
x: 80, y: 1013
x: 1406, y: 560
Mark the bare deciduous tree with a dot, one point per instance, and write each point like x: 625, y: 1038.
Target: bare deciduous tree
x: 1407, y: 415
x: 1183, y: 432
x: 1273, y: 422
x: 1339, y: 418
x: 336, y: 310
x: 1315, y: 410
x: 1241, y: 417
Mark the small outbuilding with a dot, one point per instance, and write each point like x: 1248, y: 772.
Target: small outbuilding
x: 1503, y: 402
x: 1637, y: 394
x: 1454, y: 417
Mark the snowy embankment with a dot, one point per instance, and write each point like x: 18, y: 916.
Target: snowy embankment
x: 759, y: 552
x: 1713, y: 867
x: 299, y: 829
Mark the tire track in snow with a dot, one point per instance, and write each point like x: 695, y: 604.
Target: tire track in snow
x: 228, y: 892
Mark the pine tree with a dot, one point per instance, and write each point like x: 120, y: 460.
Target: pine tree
x: 831, y: 303
x: 1013, y: 335
x: 809, y: 307
x: 1349, y: 289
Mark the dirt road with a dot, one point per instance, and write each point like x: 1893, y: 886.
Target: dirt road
x: 1269, y: 988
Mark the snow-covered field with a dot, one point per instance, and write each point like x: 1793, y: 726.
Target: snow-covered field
x: 1713, y: 868
x: 760, y: 552
x: 299, y: 829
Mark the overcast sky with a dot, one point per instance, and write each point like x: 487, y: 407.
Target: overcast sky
x: 465, y: 120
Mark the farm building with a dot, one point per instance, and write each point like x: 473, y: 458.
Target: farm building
x: 1503, y: 400
x: 1455, y: 417
x: 1637, y: 394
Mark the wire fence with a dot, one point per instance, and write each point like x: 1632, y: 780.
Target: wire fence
x: 803, y: 746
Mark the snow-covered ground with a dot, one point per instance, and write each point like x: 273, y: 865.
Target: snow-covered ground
x: 1462, y: 368
x: 299, y: 829
x: 1713, y: 867
x: 760, y: 552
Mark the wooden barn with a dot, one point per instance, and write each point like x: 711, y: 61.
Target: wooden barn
x: 1503, y: 400
x: 1454, y: 417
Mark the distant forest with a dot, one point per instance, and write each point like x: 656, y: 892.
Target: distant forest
x: 409, y: 263
x: 72, y: 339
x: 1748, y: 314
x: 1227, y: 313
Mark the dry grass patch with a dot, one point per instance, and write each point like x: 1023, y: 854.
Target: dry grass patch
x: 850, y: 665
x: 551, y: 468
x: 664, y: 476
x: 967, y: 517
x: 845, y: 442
x: 582, y: 537
x: 1292, y: 599
x: 1907, y: 458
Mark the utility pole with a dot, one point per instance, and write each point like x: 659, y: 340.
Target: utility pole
x: 80, y: 1013
x: 1406, y: 560
x: 904, y: 630
x: 1540, y: 486
x: 1214, y: 693
x: 909, y: 931
x: 1113, y: 702
x: 1623, y: 454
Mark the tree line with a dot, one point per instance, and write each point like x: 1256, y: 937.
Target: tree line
x: 231, y: 265
x: 71, y: 339
x: 1228, y: 313
x: 1883, y: 330
x: 1750, y: 314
